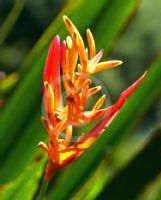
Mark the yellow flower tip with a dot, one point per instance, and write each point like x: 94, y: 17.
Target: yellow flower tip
x: 99, y: 103
x: 94, y: 90
x: 117, y: 62
x: 43, y: 146
x: 65, y: 18
x: 68, y: 23
x: 88, y: 31
x: 69, y: 42
x: 145, y: 73
x: 107, y: 65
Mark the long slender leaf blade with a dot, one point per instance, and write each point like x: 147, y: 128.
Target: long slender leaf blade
x: 25, y: 186
x: 24, y: 150
x: 146, y: 164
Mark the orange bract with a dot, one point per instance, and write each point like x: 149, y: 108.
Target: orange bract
x: 76, y: 80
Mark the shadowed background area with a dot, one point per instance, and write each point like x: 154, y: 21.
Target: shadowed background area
x: 124, y: 163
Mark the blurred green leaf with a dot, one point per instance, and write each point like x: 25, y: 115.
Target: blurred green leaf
x: 146, y: 164
x: 25, y: 186
x: 152, y: 191
x: 11, y: 19
x: 89, y: 190
x: 8, y: 82
x: 23, y: 150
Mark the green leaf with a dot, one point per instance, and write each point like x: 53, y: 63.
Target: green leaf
x: 146, y: 164
x: 152, y: 191
x: 11, y: 19
x: 111, y: 22
x: 23, y: 150
x: 25, y: 186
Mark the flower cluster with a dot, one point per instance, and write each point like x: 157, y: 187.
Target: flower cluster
x: 77, y: 63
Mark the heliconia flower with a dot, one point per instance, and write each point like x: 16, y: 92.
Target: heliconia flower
x: 60, y: 118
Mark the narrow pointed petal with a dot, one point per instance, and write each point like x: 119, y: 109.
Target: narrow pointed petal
x: 52, y: 70
x: 69, y: 42
x: 91, y: 43
x: 82, y: 51
x: 69, y: 25
x: 72, y: 29
x: 92, y: 64
x: 126, y: 94
x: 91, y: 115
x: 94, y: 90
x: 72, y: 57
x: 99, y: 103
x: 107, y: 65
x: 74, y: 53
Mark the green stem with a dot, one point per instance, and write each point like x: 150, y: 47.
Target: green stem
x: 43, y: 188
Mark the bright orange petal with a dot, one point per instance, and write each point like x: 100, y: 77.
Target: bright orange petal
x: 107, y: 65
x: 91, y: 44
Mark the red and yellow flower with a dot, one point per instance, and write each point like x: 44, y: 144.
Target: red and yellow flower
x: 76, y: 80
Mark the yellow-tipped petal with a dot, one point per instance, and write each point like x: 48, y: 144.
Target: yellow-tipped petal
x: 73, y: 56
x: 43, y: 146
x: 69, y: 41
x: 93, y: 63
x: 73, y: 30
x: 48, y: 98
x: 99, y: 103
x: 69, y: 25
x: 91, y: 115
x: 107, y: 65
x: 91, y: 43
x: 94, y: 90
x: 82, y: 51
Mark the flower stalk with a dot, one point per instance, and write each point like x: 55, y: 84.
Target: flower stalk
x: 43, y: 189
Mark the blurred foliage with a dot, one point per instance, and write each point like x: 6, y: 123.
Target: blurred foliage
x: 124, y: 162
